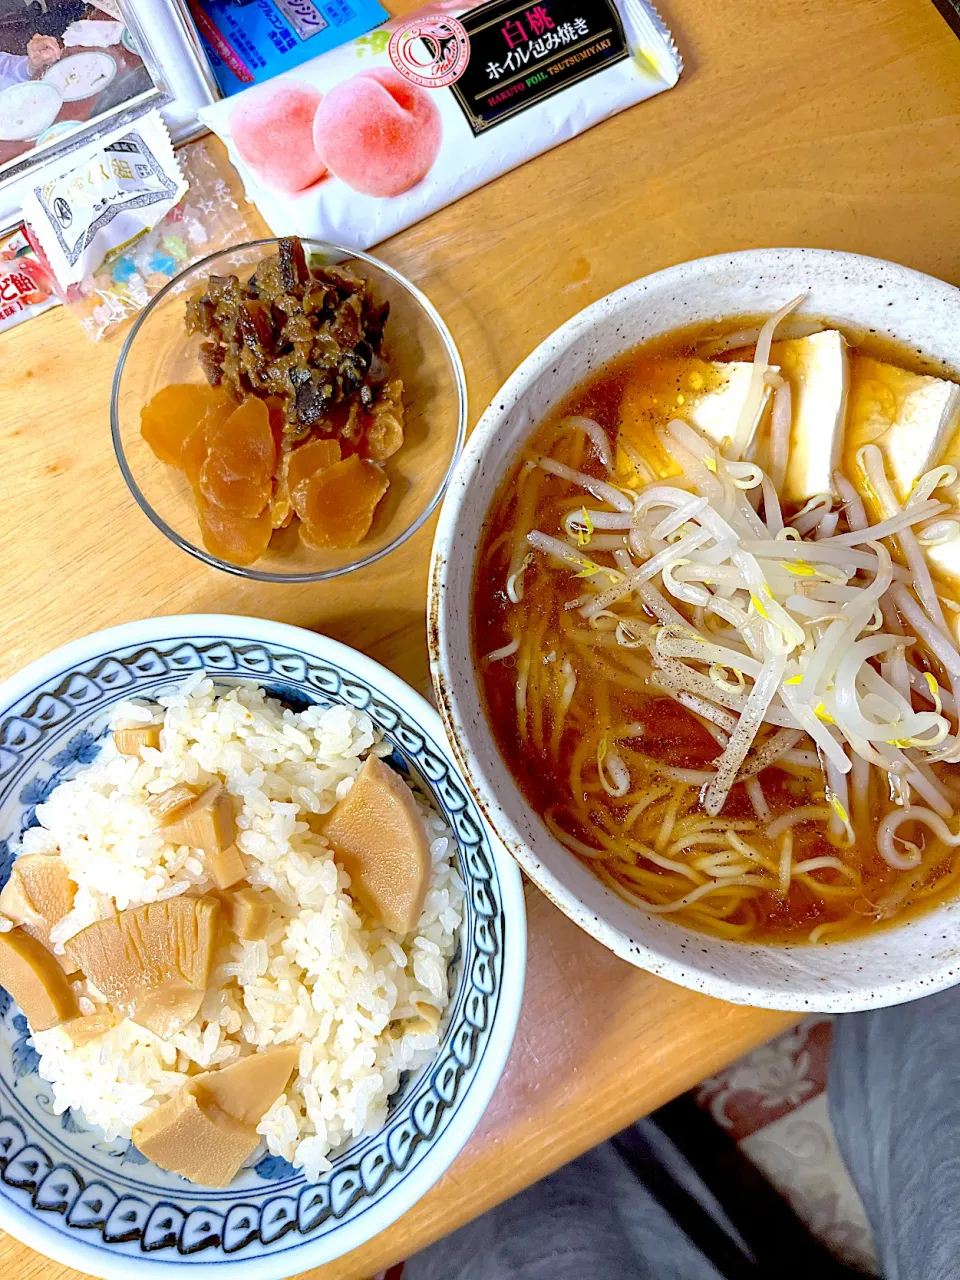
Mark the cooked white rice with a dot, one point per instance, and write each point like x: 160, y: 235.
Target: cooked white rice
x: 357, y: 998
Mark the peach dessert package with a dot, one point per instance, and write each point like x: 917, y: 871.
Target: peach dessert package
x: 368, y: 138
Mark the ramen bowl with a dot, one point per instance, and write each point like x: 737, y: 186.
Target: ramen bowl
x: 863, y: 296
x: 100, y: 1206
x: 420, y: 351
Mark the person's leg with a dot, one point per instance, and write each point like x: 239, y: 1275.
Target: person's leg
x: 894, y: 1094
x: 591, y: 1220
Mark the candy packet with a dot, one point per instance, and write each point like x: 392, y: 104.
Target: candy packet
x: 107, y: 200
x: 207, y: 219
x: 26, y: 286
x: 368, y: 138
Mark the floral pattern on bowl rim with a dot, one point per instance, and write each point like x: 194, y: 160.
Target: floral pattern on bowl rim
x: 101, y: 1205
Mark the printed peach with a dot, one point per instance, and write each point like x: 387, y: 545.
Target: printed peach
x: 377, y: 132
x: 272, y: 129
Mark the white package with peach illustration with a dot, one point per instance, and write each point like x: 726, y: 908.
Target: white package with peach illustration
x: 374, y: 135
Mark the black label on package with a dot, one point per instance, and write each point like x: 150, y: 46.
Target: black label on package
x: 523, y: 53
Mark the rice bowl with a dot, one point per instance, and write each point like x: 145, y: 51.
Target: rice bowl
x: 100, y: 1205
x: 323, y: 977
x: 27, y: 109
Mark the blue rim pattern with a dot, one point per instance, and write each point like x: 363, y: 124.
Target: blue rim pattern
x: 54, y: 1164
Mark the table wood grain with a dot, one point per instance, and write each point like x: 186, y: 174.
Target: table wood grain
x: 831, y: 123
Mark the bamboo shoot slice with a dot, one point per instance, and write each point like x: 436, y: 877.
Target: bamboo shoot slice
x: 82, y: 1030
x: 35, y: 981
x: 202, y: 1143
x: 129, y: 741
x: 207, y: 1130
x: 226, y: 867
x: 246, y: 912
x: 167, y: 806
x: 379, y: 836
x: 246, y: 1090
x: 38, y: 894
x: 152, y: 962
x: 208, y: 824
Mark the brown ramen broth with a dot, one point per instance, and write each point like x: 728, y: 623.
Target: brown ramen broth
x: 608, y: 723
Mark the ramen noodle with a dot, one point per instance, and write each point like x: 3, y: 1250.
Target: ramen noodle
x: 716, y: 630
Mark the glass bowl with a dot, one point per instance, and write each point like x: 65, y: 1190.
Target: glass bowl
x: 420, y: 350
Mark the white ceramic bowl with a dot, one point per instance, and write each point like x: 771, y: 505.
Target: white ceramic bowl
x: 102, y: 1206
x: 888, y: 967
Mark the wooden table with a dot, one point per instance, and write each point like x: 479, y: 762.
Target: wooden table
x: 831, y: 123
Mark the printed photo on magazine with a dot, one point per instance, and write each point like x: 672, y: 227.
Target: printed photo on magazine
x: 65, y: 68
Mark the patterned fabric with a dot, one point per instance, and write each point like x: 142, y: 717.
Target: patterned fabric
x: 773, y: 1103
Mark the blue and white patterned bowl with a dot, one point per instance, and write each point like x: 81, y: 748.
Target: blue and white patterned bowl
x: 101, y: 1206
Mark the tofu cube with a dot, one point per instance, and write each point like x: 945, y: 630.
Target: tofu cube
x: 818, y: 371
x: 717, y: 412
x: 911, y: 416
x: 709, y: 397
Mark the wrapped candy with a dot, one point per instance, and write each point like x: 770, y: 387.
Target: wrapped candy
x: 26, y: 286
x: 207, y: 219
x: 113, y: 195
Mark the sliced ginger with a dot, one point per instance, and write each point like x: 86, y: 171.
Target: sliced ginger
x: 152, y: 962
x: 207, y: 1130
x: 278, y: 420
x: 209, y: 823
x: 381, y: 840
x: 281, y: 508
x: 220, y: 410
x: 310, y: 459
x: 193, y: 451
x: 246, y: 482
x: 336, y: 505
x: 384, y: 432
x: 172, y: 415
x: 237, y: 475
x: 193, y: 455
x: 295, y: 466
x: 37, y: 895
x: 35, y: 980
x: 129, y: 741
x: 244, y: 496
x: 246, y: 912
x: 233, y: 538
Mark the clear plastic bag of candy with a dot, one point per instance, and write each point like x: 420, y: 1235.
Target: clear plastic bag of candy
x: 208, y: 218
